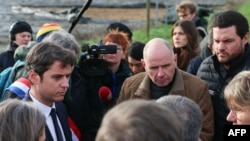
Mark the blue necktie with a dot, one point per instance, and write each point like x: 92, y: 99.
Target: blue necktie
x: 56, y: 126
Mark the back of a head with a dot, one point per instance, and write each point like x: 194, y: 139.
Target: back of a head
x: 138, y: 119
x: 19, y: 121
x: 188, y: 112
x: 64, y: 39
x: 136, y: 50
x: 21, y: 52
x: 18, y: 27
x: 122, y: 28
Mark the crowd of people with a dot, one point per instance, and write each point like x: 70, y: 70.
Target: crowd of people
x: 186, y: 90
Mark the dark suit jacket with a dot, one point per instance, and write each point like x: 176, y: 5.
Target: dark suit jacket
x: 62, y: 115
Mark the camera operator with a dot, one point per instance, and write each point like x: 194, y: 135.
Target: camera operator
x: 115, y: 73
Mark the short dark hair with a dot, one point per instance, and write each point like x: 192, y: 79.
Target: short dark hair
x: 232, y: 18
x: 136, y: 50
x: 121, y: 27
x: 44, y: 54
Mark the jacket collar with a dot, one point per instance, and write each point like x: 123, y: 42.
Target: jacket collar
x: 144, y: 91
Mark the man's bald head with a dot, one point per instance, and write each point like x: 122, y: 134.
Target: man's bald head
x: 159, y: 61
x: 155, y: 45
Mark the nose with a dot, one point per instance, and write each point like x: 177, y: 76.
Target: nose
x: 181, y: 17
x: 175, y: 37
x: 231, y: 117
x: 27, y: 37
x: 134, y: 69
x: 160, y: 72
x: 65, y: 82
x: 221, y: 46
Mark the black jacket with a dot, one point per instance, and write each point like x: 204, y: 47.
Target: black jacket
x: 7, y: 57
x: 97, y: 106
x: 195, y: 63
x: 76, y: 101
x: 200, y: 27
x: 212, y: 72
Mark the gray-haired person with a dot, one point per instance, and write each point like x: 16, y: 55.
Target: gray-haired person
x: 19, y: 121
x: 188, y: 112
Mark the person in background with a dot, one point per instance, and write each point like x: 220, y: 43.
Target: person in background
x: 117, y: 68
x: 232, y: 55
x: 49, y: 67
x: 185, y: 42
x: 187, y: 10
x: 140, y: 120
x: 162, y: 77
x: 19, y: 121
x: 207, y: 49
x: 20, y: 33
x: 237, y: 96
x: 60, y: 37
x: 122, y: 28
x: 46, y: 29
x: 21, y: 52
x: 19, y: 56
x: 135, y: 54
x: 188, y: 112
x: 114, y: 73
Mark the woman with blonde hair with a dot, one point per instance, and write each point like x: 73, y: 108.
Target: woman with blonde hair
x: 237, y: 96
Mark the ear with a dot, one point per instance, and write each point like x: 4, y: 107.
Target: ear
x: 175, y: 58
x: 124, y: 55
x: 143, y: 63
x: 245, y: 39
x: 34, y: 77
x: 193, y: 15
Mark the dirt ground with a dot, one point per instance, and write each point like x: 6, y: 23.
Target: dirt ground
x: 139, y: 14
x: 121, y: 14
x: 124, y: 13
x: 118, y: 14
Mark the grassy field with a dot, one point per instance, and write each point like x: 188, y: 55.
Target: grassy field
x: 163, y: 30
x: 245, y: 10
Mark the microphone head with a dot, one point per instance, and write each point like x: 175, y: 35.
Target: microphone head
x: 105, y: 94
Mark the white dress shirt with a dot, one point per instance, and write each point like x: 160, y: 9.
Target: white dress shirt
x: 46, y: 111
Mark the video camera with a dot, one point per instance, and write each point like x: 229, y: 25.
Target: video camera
x: 91, y: 62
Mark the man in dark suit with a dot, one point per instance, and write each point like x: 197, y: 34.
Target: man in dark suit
x: 49, y: 67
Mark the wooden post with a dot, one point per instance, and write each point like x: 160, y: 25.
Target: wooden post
x: 148, y: 18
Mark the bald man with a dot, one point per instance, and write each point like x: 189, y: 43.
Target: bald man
x: 162, y: 77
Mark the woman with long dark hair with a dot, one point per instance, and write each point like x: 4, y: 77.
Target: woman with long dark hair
x: 185, y: 42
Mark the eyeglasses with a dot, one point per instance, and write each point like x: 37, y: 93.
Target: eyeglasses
x: 119, y: 48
